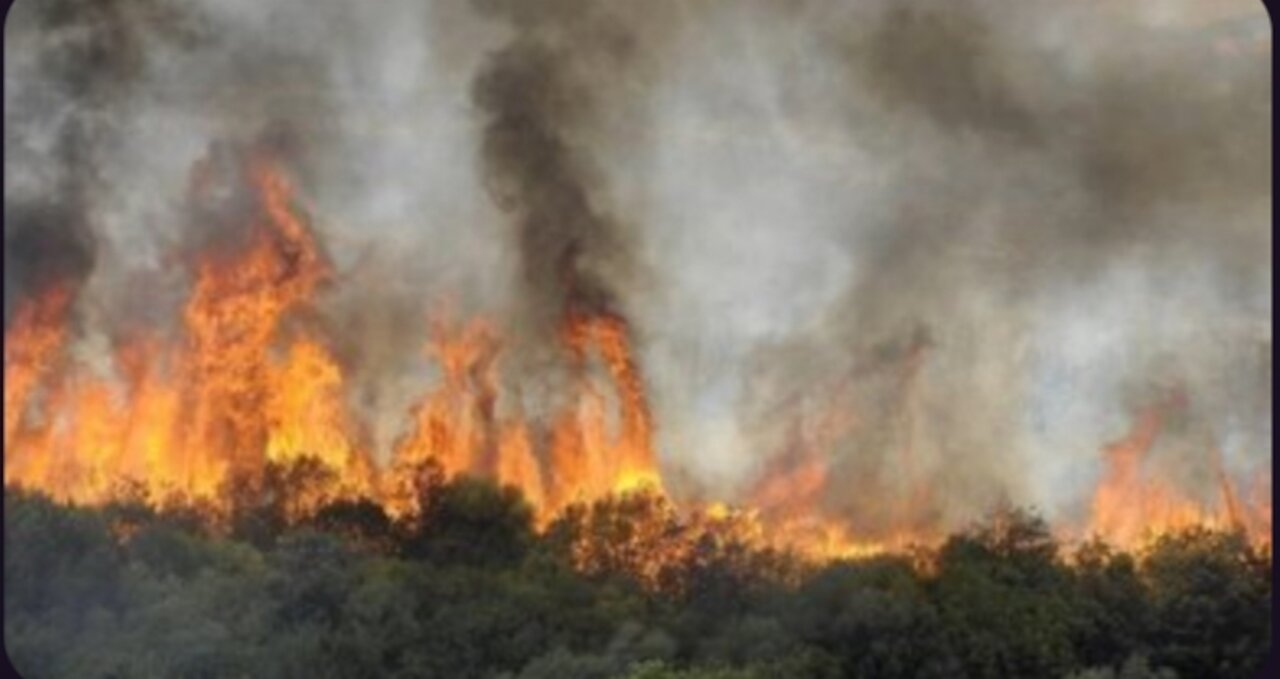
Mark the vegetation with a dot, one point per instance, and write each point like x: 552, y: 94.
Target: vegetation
x: 470, y: 589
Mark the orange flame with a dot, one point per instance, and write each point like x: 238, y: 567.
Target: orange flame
x: 251, y: 388
x: 188, y: 418
x: 456, y: 423
x: 451, y: 423
x: 1130, y: 506
x: 30, y: 345
x: 587, y: 461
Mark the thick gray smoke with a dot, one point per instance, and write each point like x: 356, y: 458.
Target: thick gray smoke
x: 83, y: 62
x: 560, y: 102
x: 534, y: 97
x: 982, y: 234
x: 1020, y: 176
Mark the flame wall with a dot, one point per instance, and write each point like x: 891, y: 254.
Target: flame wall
x: 866, y: 270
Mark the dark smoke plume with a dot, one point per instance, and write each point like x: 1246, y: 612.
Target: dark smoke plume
x: 88, y: 56
x: 572, y: 250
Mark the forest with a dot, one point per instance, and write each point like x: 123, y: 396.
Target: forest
x: 433, y: 339
x: 469, y: 587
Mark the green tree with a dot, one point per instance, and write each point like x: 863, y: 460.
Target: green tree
x: 875, y: 618
x: 1114, y: 615
x: 473, y: 522
x: 361, y: 523
x: 1211, y: 598
x: 1004, y: 599
x: 1135, y: 667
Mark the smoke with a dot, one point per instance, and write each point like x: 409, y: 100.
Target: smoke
x: 567, y: 69
x: 990, y: 234
x: 1018, y: 171
x: 83, y: 61
x: 567, y: 244
x: 144, y: 101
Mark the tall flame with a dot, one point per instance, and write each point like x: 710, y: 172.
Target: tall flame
x: 456, y: 423
x: 252, y: 388
x: 187, y: 418
x: 30, y: 346
x: 1132, y: 504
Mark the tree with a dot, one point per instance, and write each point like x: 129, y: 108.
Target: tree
x: 1135, y: 667
x: 466, y: 589
x: 874, y: 617
x: 658, y: 670
x: 56, y: 557
x: 312, y: 575
x: 473, y: 522
x: 1004, y: 600
x: 285, y: 493
x: 361, y: 523
x: 1211, y: 599
x: 1114, y: 616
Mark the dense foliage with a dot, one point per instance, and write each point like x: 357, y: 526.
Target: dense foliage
x: 471, y: 590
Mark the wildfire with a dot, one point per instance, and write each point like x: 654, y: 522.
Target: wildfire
x: 30, y: 346
x: 453, y: 423
x: 791, y: 495
x: 456, y: 424
x: 183, y: 419
x: 1131, y: 504
x: 248, y: 386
